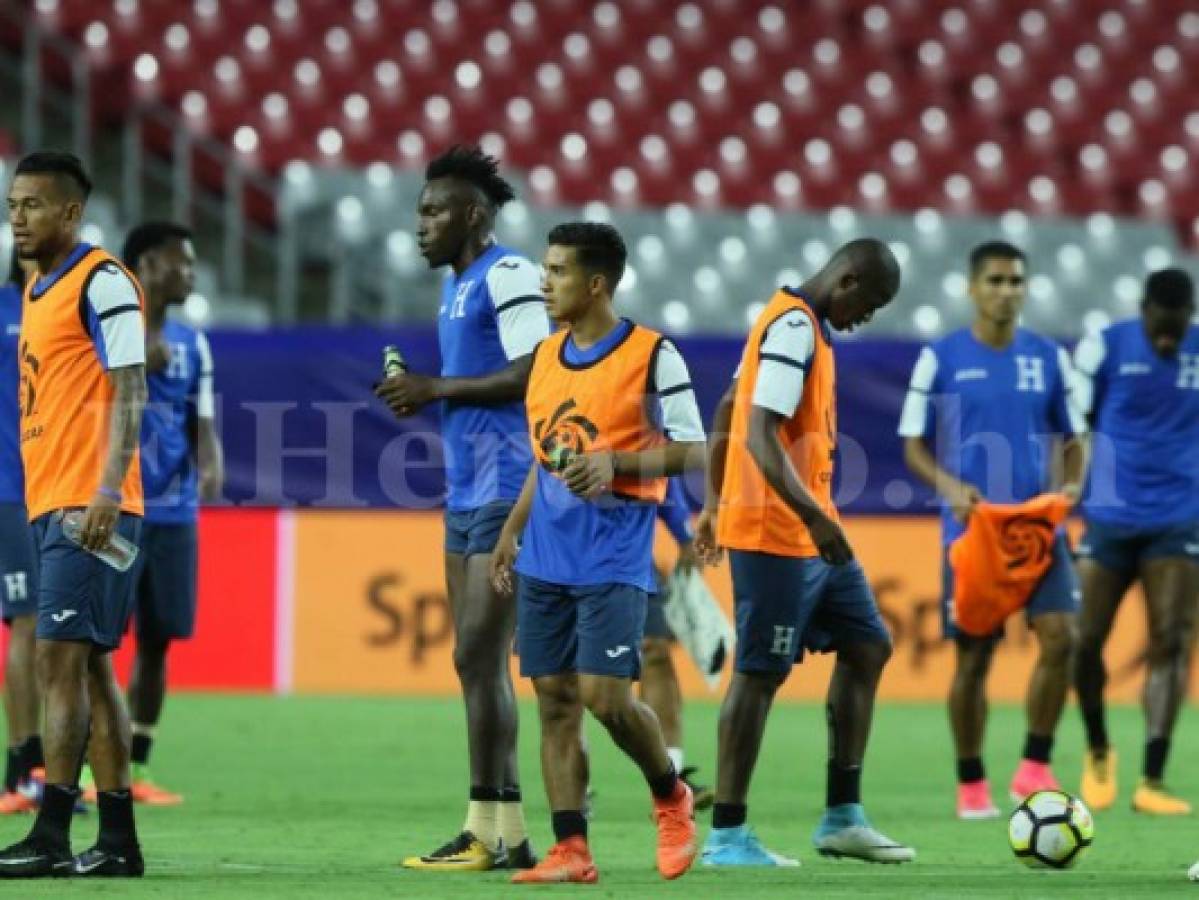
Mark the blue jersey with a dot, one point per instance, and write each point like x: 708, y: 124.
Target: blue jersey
x: 490, y: 315
x: 12, y: 480
x: 992, y: 416
x: 608, y: 540
x: 178, y: 393
x: 1145, y: 459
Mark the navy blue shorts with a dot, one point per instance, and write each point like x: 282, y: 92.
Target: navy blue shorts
x: 475, y: 531
x: 655, y: 612
x: 81, y: 597
x: 165, y: 576
x: 786, y: 605
x: 1122, y: 548
x: 1057, y: 591
x: 592, y: 629
x: 18, y: 563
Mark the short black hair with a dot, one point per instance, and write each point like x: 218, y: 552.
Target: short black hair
x: 475, y: 167
x: 150, y: 236
x: 985, y: 252
x: 598, y: 247
x: 64, y: 166
x: 1170, y: 289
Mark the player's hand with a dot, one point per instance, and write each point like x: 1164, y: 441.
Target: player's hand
x: 962, y: 500
x: 688, y: 559
x: 99, y: 522
x: 830, y: 540
x: 502, y: 559
x: 405, y: 394
x: 589, y: 474
x: 158, y: 355
x: 706, y: 549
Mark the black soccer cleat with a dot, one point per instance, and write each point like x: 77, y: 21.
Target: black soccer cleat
x: 704, y: 795
x: 31, y: 858
x: 97, y: 862
x: 521, y: 856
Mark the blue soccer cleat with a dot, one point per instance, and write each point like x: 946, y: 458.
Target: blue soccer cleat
x: 739, y: 846
x: 845, y: 832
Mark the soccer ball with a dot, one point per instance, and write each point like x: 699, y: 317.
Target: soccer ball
x: 1050, y: 830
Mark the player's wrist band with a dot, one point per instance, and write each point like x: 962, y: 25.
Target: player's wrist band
x: 111, y: 494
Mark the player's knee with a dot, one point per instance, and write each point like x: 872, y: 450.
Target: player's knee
x: 474, y: 660
x: 61, y: 663
x: 1166, y: 647
x: 1058, y: 645
x: 610, y: 704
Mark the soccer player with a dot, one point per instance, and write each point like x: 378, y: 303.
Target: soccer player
x: 611, y: 416
x: 660, y: 689
x: 83, y: 387
x: 18, y: 571
x: 181, y: 464
x: 492, y: 316
x: 993, y: 402
x: 1139, y: 382
x: 797, y: 586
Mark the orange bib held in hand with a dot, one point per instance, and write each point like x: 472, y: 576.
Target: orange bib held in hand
x: 999, y: 560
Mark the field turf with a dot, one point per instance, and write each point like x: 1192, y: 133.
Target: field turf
x: 321, y: 797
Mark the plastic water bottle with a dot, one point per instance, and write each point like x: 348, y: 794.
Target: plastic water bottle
x: 120, y: 552
x: 393, y: 361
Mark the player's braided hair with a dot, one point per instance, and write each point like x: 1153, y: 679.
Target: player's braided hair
x: 475, y: 167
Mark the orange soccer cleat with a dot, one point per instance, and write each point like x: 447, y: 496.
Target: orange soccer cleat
x: 677, y: 848
x: 568, y: 861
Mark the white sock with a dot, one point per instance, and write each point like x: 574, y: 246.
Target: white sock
x: 676, y: 758
x: 512, y: 823
x: 482, y: 820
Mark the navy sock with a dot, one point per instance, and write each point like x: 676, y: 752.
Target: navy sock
x: 971, y: 769
x: 510, y: 794
x: 139, y: 751
x: 1038, y: 747
x: 663, y: 786
x: 32, y: 756
x: 53, y: 823
x: 844, y: 785
x: 485, y: 794
x: 1156, y: 751
x: 117, y: 831
x: 12, y: 769
x: 729, y: 815
x: 569, y: 823
x: 1093, y: 721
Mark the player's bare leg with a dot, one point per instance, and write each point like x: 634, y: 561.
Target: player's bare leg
x: 1102, y: 591
x: 147, y: 694
x: 1171, y: 593
x: 62, y: 672
x: 844, y: 831
x: 660, y: 691
x: 1057, y: 638
x: 22, y: 707
x: 494, y: 833
x: 635, y: 729
x: 968, y: 723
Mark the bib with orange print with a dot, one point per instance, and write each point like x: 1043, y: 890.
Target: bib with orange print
x: 1000, y: 558
x: 752, y: 516
x: 584, y: 408
x: 66, y: 397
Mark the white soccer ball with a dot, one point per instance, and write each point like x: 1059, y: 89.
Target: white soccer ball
x: 1050, y: 830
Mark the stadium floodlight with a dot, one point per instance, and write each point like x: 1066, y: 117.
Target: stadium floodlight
x: 601, y: 113
x: 954, y: 285
x: 93, y: 234
x: 787, y: 188
x: 1157, y: 257
x: 258, y: 39
x: 733, y: 252
x: 843, y: 220
x: 595, y: 211
x: 145, y: 68
x: 787, y: 277
x: 468, y: 75
x: 707, y: 280
x: 330, y: 142
x: 927, y: 222
x: 676, y: 316
x: 815, y: 253
x: 1041, y: 288
x: 177, y: 38
x: 651, y: 250
x: 628, y: 281
x: 366, y: 12
x: 1014, y: 224
x: 574, y: 147
x: 1071, y: 259
x: 744, y: 52
x: 438, y: 110
x: 926, y: 320
x: 1043, y: 190
x: 275, y: 107
x: 356, y: 108
x: 902, y: 252
x: 245, y: 139
x: 1127, y: 289
x: 624, y: 182
x: 411, y: 145
x: 1095, y: 320
x: 286, y: 11
x: 197, y: 309
x: 497, y: 45
x: 1101, y: 227
x: 827, y: 52
x: 96, y: 35
x: 380, y: 176
x: 761, y: 221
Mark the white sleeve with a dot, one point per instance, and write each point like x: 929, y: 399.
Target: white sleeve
x: 783, y: 359
x: 515, y: 287
x: 205, y: 401
x: 681, y: 420
x: 1088, y: 357
x: 1071, y: 387
x: 914, y: 418
x: 118, y: 329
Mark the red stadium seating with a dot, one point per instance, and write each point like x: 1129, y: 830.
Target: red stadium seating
x: 892, y: 104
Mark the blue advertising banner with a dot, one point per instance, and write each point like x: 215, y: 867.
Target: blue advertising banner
x: 301, y: 426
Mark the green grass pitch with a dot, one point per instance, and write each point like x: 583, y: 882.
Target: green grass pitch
x: 321, y: 797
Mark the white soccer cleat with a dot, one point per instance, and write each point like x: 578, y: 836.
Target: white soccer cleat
x: 864, y: 842
x: 1193, y: 873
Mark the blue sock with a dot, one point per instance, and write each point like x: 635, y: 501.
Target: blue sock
x: 844, y: 815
